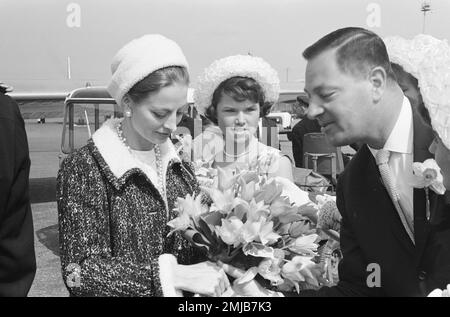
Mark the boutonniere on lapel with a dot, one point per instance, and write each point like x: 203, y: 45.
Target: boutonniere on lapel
x: 428, y: 175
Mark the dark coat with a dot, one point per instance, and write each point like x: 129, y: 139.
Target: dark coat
x: 17, y: 257
x: 296, y: 136
x: 372, y: 232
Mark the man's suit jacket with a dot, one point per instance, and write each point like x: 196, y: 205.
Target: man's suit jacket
x: 17, y: 257
x: 372, y: 232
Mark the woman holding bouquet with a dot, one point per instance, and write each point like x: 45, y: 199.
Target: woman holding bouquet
x: 116, y: 194
x: 231, y: 93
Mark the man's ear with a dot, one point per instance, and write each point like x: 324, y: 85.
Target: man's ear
x: 378, y: 80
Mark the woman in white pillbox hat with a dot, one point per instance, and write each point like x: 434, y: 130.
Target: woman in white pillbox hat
x: 116, y: 194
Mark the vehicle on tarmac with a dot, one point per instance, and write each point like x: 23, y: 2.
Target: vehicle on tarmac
x: 85, y: 109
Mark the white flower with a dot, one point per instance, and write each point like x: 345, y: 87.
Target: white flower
x: 440, y: 293
x: 428, y: 174
x: 180, y: 223
x: 270, y: 269
x: 305, y: 245
x: 301, y: 269
x: 230, y: 231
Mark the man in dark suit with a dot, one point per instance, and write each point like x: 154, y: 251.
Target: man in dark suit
x: 17, y: 257
x: 390, y: 247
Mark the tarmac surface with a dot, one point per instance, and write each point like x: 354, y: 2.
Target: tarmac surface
x: 44, y: 141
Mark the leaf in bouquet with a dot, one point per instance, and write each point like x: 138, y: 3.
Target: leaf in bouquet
x: 247, y: 276
x: 196, y: 239
x: 283, y: 229
x: 240, y: 211
x: 268, y: 192
x: 207, y: 231
x: 279, y: 205
x: 287, y: 286
x: 230, y: 231
x: 305, y: 245
x: 290, y: 215
x: 259, y: 195
x: 310, y: 211
x: 258, y: 250
x: 213, y: 218
x: 250, y: 176
x: 299, y: 228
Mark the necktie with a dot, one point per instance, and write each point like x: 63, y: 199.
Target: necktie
x: 382, y: 159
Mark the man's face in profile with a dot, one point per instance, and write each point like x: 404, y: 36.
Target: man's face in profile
x: 338, y: 100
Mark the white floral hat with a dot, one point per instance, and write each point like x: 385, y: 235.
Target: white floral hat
x: 232, y: 66
x: 428, y: 60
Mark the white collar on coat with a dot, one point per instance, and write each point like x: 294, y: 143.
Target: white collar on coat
x: 117, y: 155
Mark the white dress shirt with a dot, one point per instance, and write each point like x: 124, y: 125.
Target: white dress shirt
x: 400, y: 144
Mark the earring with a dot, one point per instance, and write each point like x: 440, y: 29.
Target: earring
x: 128, y: 113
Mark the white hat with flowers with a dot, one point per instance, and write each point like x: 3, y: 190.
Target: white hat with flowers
x: 428, y: 60
x: 234, y: 66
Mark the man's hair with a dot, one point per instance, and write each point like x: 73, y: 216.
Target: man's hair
x: 399, y: 71
x: 357, y: 51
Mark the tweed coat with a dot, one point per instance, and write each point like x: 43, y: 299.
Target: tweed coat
x: 112, y: 219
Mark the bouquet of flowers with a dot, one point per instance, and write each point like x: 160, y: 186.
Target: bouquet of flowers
x: 251, y: 225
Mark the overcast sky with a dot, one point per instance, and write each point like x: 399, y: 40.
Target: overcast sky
x: 38, y: 36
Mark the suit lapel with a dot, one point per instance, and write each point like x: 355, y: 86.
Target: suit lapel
x: 423, y: 136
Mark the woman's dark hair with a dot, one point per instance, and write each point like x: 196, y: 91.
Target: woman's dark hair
x: 240, y: 89
x: 157, y: 80
x: 399, y: 72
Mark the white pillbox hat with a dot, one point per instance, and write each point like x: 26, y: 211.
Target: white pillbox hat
x: 139, y: 58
